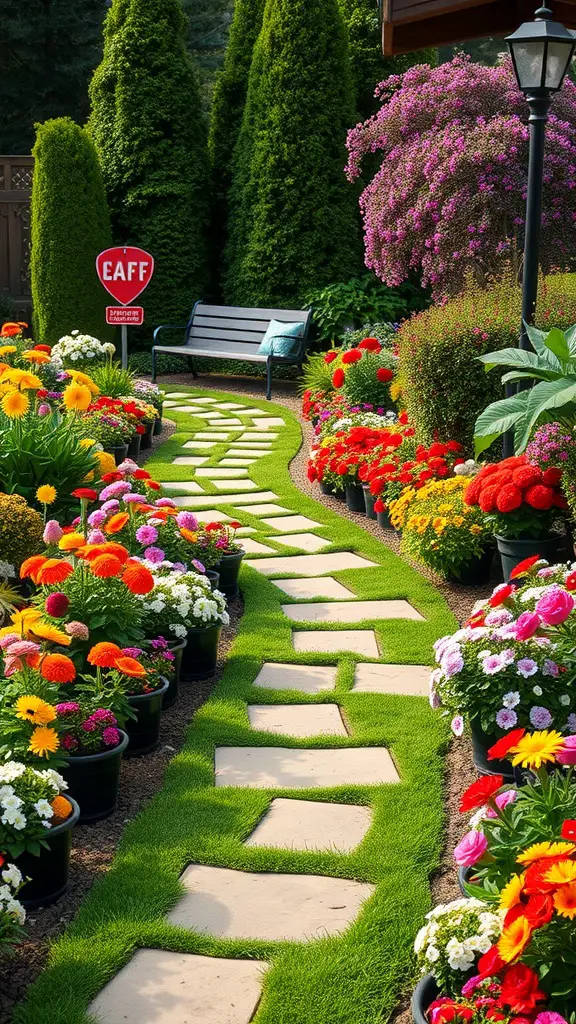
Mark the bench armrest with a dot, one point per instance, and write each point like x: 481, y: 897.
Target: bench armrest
x: 169, y: 327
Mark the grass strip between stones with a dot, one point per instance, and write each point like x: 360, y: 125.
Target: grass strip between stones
x: 355, y: 978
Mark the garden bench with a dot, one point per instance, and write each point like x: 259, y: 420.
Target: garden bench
x: 234, y: 332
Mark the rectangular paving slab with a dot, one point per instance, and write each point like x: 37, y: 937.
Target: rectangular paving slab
x: 200, y: 445
x: 212, y: 414
x: 252, y: 452
x: 190, y: 486
x: 243, y: 530
x: 328, y: 641
x: 254, y: 547
x: 211, y: 437
x: 411, y: 680
x: 305, y: 678
x: 257, y: 437
x: 304, y: 541
x: 159, y: 987
x: 288, y: 524
x: 228, y: 405
x: 311, y: 565
x: 263, y: 422
x: 302, y: 720
x: 190, y: 460
x: 227, y: 499
x: 260, y: 510
x: 288, y: 768
x: 196, y: 401
x: 311, y: 825
x: 235, y: 485
x: 350, y: 611
x: 237, y: 462
x: 322, y: 586
x: 230, y: 423
x: 214, y: 472
x: 250, y: 905
x: 262, y: 446
x: 208, y: 515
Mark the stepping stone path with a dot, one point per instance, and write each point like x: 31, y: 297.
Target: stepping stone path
x: 160, y: 987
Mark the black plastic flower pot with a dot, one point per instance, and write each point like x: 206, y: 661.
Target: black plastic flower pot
x: 424, y: 994
x: 134, y: 446
x: 146, y: 438
x: 369, y: 500
x: 229, y: 570
x: 157, y: 428
x: 177, y: 648
x: 171, y: 696
x: 144, y: 730
x: 326, y: 488
x: 465, y: 877
x: 384, y: 519
x: 120, y: 451
x: 476, y: 572
x: 481, y: 743
x: 200, y: 655
x: 355, y: 498
x: 48, y: 873
x: 93, y: 781
x: 553, y: 548
x: 214, y: 578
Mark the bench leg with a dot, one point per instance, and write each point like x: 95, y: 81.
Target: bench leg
x: 193, y: 370
x: 269, y: 380
x: 153, y: 365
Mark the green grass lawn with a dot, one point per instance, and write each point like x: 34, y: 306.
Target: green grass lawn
x: 352, y: 979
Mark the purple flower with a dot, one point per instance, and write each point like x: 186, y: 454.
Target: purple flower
x: 155, y: 555
x: 110, y: 506
x: 186, y: 520
x: 133, y: 498
x: 506, y: 718
x: 111, y: 736
x: 165, y: 503
x: 498, y: 617
x: 132, y: 652
x: 457, y: 725
x: 96, y: 537
x: 572, y: 722
x: 52, y: 532
x: 97, y: 517
x: 68, y: 708
x: 492, y: 664
x: 89, y: 725
x: 526, y: 667
x: 502, y: 800
x: 550, y: 668
x: 198, y: 565
x: 104, y: 715
x: 128, y: 466
x: 452, y: 662
x: 146, y: 534
x: 179, y: 567
x: 115, y: 490
x: 540, y: 718
x: 159, y: 644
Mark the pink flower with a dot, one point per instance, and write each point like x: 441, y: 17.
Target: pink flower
x: 527, y: 624
x: 470, y: 849
x: 96, y: 537
x: 111, y: 736
x: 549, y: 1017
x: 146, y: 535
x: 44, y: 409
x: 555, y: 607
x: 165, y: 503
x: 22, y: 647
x: 568, y: 754
x: 8, y: 638
x: 155, y: 555
x: 52, y: 532
x: 502, y: 800
x: 77, y: 629
x: 57, y: 605
x: 128, y: 466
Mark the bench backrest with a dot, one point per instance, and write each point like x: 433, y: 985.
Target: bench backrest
x: 237, y: 328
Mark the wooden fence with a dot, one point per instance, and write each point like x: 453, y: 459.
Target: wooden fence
x: 15, y: 192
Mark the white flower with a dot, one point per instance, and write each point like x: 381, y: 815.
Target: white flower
x: 12, y: 876
x: 511, y: 700
x: 421, y: 939
x: 178, y: 630
x: 16, y: 910
x: 432, y: 954
x: 537, y: 690
x: 482, y: 943
x: 54, y: 778
x: 14, y: 818
x: 12, y: 803
x: 11, y: 770
x: 564, y: 699
x: 43, y: 809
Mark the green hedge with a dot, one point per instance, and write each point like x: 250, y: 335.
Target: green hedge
x: 70, y: 225
x: 444, y: 386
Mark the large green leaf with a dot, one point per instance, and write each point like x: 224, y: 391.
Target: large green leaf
x: 518, y: 358
x: 538, y: 340
x: 556, y: 343
x: 533, y: 375
x: 547, y: 395
x: 570, y: 335
x: 498, y: 418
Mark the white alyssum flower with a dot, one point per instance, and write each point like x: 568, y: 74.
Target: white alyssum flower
x: 12, y: 876
x: 11, y: 770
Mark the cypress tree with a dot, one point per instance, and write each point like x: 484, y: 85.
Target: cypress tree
x: 293, y: 218
x: 70, y: 225
x: 151, y: 136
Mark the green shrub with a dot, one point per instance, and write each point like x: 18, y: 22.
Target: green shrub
x: 69, y: 226
x: 294, y: 222
x: 444, y: 386
x: 385, y: 333
x: 112, y: 379
x: 21, y: 529
x: 316, y: 375
x: 151, y: 137
x: 357, y: 301
x: 361, y: 384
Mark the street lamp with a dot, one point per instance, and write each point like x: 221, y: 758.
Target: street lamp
x: 541, y: 52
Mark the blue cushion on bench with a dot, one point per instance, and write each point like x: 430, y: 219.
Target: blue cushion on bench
x: 275, y: 341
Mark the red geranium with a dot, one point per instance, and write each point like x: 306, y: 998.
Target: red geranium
x: 352, y: 356
x: 338, y: 377
x: 384, y: 375
x: 524, y: 567
x: 500, y: 749
x: 520, y: 989
x: 480, y: 792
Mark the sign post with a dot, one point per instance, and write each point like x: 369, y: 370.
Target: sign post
x: 125, y: 271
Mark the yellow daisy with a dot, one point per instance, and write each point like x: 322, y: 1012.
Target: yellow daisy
x: 546, y: 849
x: 510, y: 894
x: 562, y: 873
x: 34, y: 709
x: 77, y: 397
x: 537, y: 748
x: 46, y: 494
x: 44, y: 741
x: 514, y: 939
x: 15, y: 405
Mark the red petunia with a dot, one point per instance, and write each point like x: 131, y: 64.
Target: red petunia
x: 500, y: 749
x: 352, y: 356
x: 43, y: 348
x: 480, y: 792
x: 384, y: 375
x: 110, y: 478
x: 501, y: 595
x: 85, y: 494
x: 569, y: 829
x: 523, y: 567
x: 338, y: 378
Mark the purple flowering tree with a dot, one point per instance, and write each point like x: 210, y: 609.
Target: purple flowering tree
x: 448, y: 200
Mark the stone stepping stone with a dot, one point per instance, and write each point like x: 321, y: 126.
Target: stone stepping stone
x: 276, y: 907
x: 311, y: 565
x: 311, y: 825
x: 305, y: 678
x: 212, y: 437
x: 190, y: 486
x: 237, y: 462
x: 304, y: 541
x: 169, y: 405
x: 253, y: 547
x: 189, y: 409
x: 301, y: 720
x: 350, y: 611
x: 257, y: 437
x: 200, y: 445
x: 195, y: 401
x: 411, y: 680
x: 260, y: 510
x: 158, y: 987
x: 222, y: 472
x: 252, y: 452
x: 253, y: 412
x: 209, y: 515
x: 267, y: 421
x: 228, y: 499
x: 260, y: 445
x: 290, y: 768
x: 228, y: 405
x: 329, y: 641
x: 243, y: 530
x: 190, y: 460
x: 211, y: 414
x: 288, y: 524
x: 322, y: 586
x: 230, y: 423
x: 235, y: 485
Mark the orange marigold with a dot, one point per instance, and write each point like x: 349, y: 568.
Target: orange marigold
x: 71, y: 541
x: 58, y: 668
x: 117, y: 522
x: 110, y: 547
x: 62, y: 809
x: 104, y: 654
x: 54, y: 570
x: 138, y: 579
x: 105, y: 565
x: 31, y: 566
x: 130, y: 667
x: 189, y: 535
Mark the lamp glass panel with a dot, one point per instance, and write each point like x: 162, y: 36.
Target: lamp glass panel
x: 529, y: 59
x: 557, y: 63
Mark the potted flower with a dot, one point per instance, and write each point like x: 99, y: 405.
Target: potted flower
x: 147, y: 415
x: 35, y: 829
x: 151, y: 393
x: 111, y: 431
x: 160, y: 661
x: 231, y: 554
x: 525, y: 508
x: 95, y: 745
x: 184, y: 606
x: 12, y: 913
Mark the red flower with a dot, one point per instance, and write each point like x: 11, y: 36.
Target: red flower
x: 352, y: 356
x: 57, y: 605
x: 141, y: 474
x: 520, y: 989
x: 540, y: 497
x: 552, y: 477
x: 153, y: 484
x: 85, y: 494
x: 498, y: 751
x: 491, y: 963
x: 330, y: 356
x: 569, y: 829
x: 523, y: 567
x: 43, y: 348
x: 384, y: 375
x: 539, y: 910
x: 338, y: 378
x: 487, y: 498
x: 140, y: 429
x: 370, y: 344
x: 501, y: 595
x: 509, y: 498
x: 110, y: 478
x: 526, y: 476
x: 480, y: 792
x: 41, y: 393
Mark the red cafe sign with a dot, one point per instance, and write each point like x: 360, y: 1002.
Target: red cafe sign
x: 125, y: 271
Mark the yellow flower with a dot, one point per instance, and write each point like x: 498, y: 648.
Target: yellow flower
x: 537, y: 748
x: 7, y: 350
x: 77, y: 397
x: 46, y: 631
x: 510, y: 894
x: 565, y: 901
x: 87, y: 442
x: 27, y: 381
x: 15, y: 405
x: 514, y: 939
x: 22, y: 621
x: 106, y: 462
x: 546, y: 849
x: 36, y: 357
x: 458, y: 520
x: 475, y: 529
x: 46, y: 494
x: 562, y: 873
x: 44, y: 741
x: 34, y: 709
x: 395, y: 391
x: 71, y: 541
x: 82, y: 378
x: 445, y: 507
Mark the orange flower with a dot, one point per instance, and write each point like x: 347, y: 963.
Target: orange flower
x: 62, y: 809
x: 130, y: 667
x: 514, y: 939
x: 111, y: 547
x: 11, y: 329
x: 104, y: 654
x: 117, y: 522
x: 189, y: 535
x: 58, y: 668
x: 54, y: 570
x: 31, y: 566
x: 138, y: 579
x: 71, y: 541
x: 105, y: 565
x: 565, y: 900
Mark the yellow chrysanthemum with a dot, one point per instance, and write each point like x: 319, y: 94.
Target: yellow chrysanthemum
x: 565, y: 901
x: 44, y: 741
x: 34, y: 709
x: 87, y: 442
x: 15, y: 405
x: 561, y: 873
x: 510, y: 895
x: 539, y: 850
x: 514, y: 939
x: 33, y: 356
x: 537, y: 748
x: 77, y: 397
x: 46, y: 631
x: 71, y: 541
x: 7, y: 350
x: 46, y: 494
x: 106, y: 462
x: 82, y: 378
